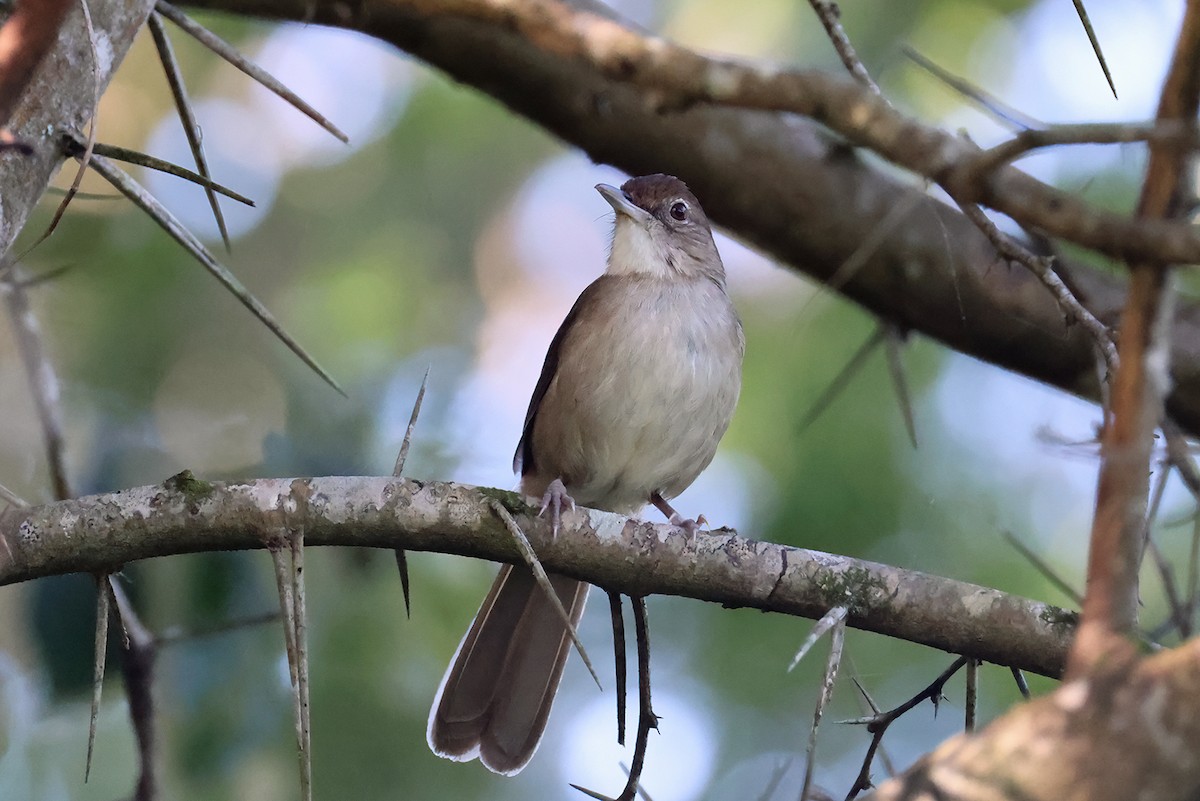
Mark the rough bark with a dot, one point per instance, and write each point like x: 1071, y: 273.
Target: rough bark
x: 1129, y: 730
x: 99, y: 533
x: 61, y: 97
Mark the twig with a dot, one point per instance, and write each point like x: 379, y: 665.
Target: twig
x: 397, y: 471
x: 1193, y: 569
x: 1179, y: 613
x: 878, y: 725
x: 1095, y: 41
x: 1141, y: 384
x: 618, y: 629
x: 304, y: 735
x: 289, y: 582
x: 543, y: 581
x: 137, y: 668
x: 129, y: 156
x: 183, y: 106
x: 1043, y: 268
x: 893, y: 348
x: 646, y: 718
x: 773, y: 783
x: 12, y: 498
x: 175, y: 636
x: 41, y: 278
x: 1174, y: 133
x: 97, y: 196
x: 971, y: 700
x: 865, y: 697
x: 402, y: 456
x: 1179, y: 456
x: 891, y: 337
x: 43, y: 382
x: 1022, y: 685
x: 287, y: 606
x: 99, y: 658
x: 842, y: 379
x: 993, y: 105
x: 830, y: 16
x: 641, y: 791
x: 862, y: 254
x: 829, y: 622
x: 837, y: 638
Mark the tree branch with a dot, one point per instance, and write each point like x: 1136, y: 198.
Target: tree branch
x: 27, y: 36
x: 679, y: 78
x: 1130, y: 730
x: 784, y: 184
x: 61, y: 96
x: 1114, y: 557
x: 100, y: 533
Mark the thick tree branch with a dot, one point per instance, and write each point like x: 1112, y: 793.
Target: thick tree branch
x: 61, y: 97
x: 1130, y: 730
x: 25, y: 39
x: 101, y: 532
x: 782, y: 183
x: 679, y: 78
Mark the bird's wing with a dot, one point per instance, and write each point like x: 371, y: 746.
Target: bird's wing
x: 524, y: 460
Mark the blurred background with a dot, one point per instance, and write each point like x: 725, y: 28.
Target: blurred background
x: 453, y: 236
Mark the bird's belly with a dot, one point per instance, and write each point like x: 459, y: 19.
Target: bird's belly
x: 643, y: 421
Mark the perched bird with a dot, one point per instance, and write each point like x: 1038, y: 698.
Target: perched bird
x: 637, y: 388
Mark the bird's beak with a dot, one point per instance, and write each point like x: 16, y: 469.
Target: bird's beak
x: 623, y: 205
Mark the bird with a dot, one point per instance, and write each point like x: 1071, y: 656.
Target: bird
x: 638, y: 386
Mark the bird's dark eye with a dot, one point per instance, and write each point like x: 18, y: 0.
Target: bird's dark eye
x: 679, y: 210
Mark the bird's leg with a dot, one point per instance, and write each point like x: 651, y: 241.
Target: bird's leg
x: 555, y: 498
x: 673, y: 517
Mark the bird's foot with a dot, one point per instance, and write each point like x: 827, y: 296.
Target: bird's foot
x: 674, y: 518
x: 687, y: 524
x: 555, y: 499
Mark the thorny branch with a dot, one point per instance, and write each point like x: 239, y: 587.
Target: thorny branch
x: 786, y: 169
x: 187, y: 117
x: 1141, y: 383
x: 830, y: 15
x: 139, y: 652
x: 759, y: 173
x: 878, y: 724
x: 647, y: 720
x: 1043, y: 268
x: 682, y: 78
x: 636, y: 558
x: 749, y: 95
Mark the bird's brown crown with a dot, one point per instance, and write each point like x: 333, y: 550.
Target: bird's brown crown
x: 657, y: 193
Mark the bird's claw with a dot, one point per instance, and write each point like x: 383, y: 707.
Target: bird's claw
x: 554, y: 499
x: 688, y: 525
x: 673, y: 517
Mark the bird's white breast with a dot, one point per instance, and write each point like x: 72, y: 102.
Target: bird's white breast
x: 646, y: 386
